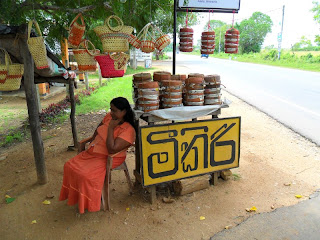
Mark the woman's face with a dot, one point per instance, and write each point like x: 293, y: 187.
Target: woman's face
x: 116, y: 113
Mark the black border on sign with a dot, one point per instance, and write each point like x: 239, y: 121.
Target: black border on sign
x: 170, y: 124
x: 218, y: 10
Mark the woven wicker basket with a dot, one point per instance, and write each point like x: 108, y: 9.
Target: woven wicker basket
x: 114, y: 39
x: 37, y: 47
x: 76, y: 31
x: 146, y: 37
x: 85, y: 57
x: 4, y: 67
x: 107, y: 66
x: 134, y: 41
x: 163, y: 40
x: 13, y: 79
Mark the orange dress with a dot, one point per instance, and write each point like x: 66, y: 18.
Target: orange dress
x: 84, y: 174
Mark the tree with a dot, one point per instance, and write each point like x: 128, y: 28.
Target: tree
x: 316, y: 11
x: 55, y: 16
x: 316, y: 17
x: 304, y: 43
x: 253, y: 32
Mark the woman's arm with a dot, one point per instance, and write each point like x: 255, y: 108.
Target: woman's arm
x: 118, y: 144
x: 96, y: 131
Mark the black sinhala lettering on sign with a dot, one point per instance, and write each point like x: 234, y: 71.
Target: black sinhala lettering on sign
x: 187, y: 147
x: 215, y: 143
x: 157, y: 156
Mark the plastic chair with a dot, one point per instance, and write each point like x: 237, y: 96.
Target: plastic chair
x: 105, y: 196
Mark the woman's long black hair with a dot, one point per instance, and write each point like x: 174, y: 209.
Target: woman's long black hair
x: 123, y: 104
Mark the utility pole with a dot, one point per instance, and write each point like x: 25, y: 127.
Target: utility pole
x: 220, y: 40
x: 280, y: 35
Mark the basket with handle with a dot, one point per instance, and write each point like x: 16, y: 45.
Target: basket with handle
x: 4, y: 68
x: 85, y: 57
x: 163, y: 40
x: 114, y: 38
x: 112, y: 66
x: 146, y: 37
x: 76, y: 31
x: 134, y: 41
x: 15, y: 72
x: 37, y: 47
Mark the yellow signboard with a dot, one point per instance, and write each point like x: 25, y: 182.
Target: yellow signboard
x: 180, y: 150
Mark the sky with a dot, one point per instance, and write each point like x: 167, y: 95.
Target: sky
x: 298, y: 19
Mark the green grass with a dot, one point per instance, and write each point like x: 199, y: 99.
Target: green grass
x: 100, y: 99
x: 288, y: 59
x: 129, y: 71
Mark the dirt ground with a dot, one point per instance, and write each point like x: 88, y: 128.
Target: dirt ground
x: 275, y: 165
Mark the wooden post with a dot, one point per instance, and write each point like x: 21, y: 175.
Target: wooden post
x: 33, y: 111
x: 38, y: 98
x: 86, y: 77
x: 100, y: 77
x: 72, y: 114
x: 64, y: 52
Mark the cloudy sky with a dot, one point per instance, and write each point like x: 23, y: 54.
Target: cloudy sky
x: 298, y: 19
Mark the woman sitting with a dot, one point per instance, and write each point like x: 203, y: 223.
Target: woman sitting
x: 84, y: 174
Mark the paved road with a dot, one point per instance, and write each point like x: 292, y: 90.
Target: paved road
x: 298, y: 222
x: 288, y: 95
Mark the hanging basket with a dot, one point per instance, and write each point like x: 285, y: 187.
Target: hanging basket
x: 15, y: 72
x: 186, y: 39
x: 108, y: 66
x: 207, y: 42
x: 114, y: 39
x: 231, y: 41
x: 37, y: 47
x: 76, y: 31
x: 4, y: 68
x: 85, y: 57
x: 134, y: 41
x: 163, y: 40
x: 146, y: 37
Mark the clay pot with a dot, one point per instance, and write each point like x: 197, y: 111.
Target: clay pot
x: 194, y: 83
x: 171, y: 86
x: 141, y: 77
x: 231, y: 41
x: 161, y: 75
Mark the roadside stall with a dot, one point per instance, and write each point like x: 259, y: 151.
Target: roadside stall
x: 26, y: 58
x: 175, y: 144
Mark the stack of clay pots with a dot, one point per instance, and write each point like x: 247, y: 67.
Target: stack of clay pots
x: 207, y: 42
x: 138, y: 78
x: 194, y: 95
x: 231, y: 41
x: 186, y: 39
x: 212, y: 91
x: 148, y: 96
x: 161, y: 75
x: 171, y: 91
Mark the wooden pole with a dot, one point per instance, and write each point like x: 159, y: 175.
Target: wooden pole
x: 100, y: 77
x: 73, y: 113
x: 64, y: 52
x: 86, y: 77
x: 33, y: 111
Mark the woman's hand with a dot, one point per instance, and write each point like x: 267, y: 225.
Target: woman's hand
x: 113, y: 123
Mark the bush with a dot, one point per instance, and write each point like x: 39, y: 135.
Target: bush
x: 55, y: 110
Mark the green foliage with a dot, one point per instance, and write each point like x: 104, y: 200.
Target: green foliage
x: 116, y: 87
x: 316, y: 11
x: 15, y: 135
x: 253, y: 32
x: 55, y: 16
x: 308, y: 61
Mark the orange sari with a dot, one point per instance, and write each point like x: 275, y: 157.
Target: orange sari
x: 84, y: 174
